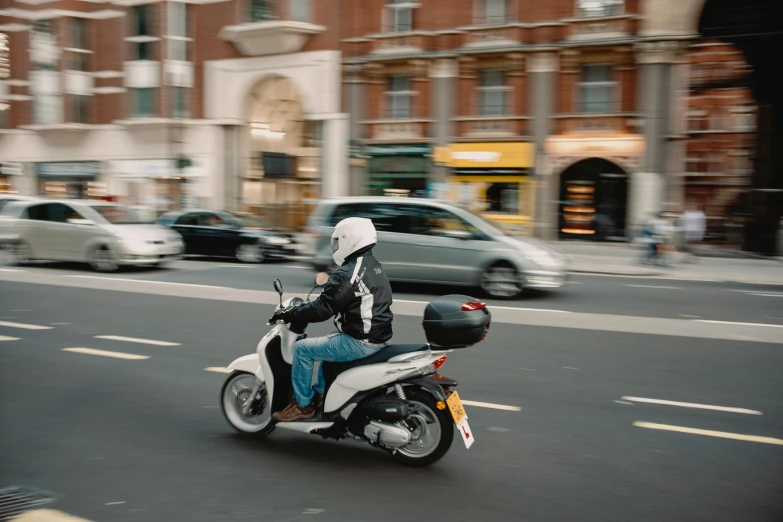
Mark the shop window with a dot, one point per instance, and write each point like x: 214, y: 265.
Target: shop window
x: 492, y: 12
x: 598, y: 8
x: 503, y: 198
x: 262, y: 10
x: 143, y: 102
x: 399, y: 16
x: 597, y: 90
x: 399, y: 97
x: 299, y: 10
x: 180, y: 102
x: 492, y: 93
x: 79, y: 107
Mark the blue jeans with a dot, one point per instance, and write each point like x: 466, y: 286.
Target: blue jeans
x: 336, y: 347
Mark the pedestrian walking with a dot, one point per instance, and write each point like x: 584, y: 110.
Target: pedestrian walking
x: 694, y: 224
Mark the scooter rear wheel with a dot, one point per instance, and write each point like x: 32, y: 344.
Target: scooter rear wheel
x: 236, y: 390
x: 433, y: 434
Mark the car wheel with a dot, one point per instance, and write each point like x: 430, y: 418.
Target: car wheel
x: 250, y: 253
x: 21, y: 253
x: 102, y: 259
x: 501, y: 281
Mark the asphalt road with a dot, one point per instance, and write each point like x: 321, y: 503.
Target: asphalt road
x: 127, y: 440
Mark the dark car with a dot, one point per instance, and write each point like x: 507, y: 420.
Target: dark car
x: 249, y: 239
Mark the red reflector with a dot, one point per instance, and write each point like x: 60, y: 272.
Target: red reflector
x: 440, y: 362
x: 473, y: 305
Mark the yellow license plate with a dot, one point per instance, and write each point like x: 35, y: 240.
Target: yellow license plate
x: 455, y: 407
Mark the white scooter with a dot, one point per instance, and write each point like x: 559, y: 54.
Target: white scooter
x: 394, y: 400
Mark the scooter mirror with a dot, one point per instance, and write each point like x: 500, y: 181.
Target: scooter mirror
x: 279, y: 290
x: 321, y: 278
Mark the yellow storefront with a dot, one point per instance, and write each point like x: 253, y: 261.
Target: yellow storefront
x: 492, y: 179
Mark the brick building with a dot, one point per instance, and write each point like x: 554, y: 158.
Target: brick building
x: 556, y: 114
x: 720, y: 137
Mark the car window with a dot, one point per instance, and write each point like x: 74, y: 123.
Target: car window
x: 345, y: 211
x: 4, y: 202
x: 39, y: 212
x: 61, y: 213
x: 211, y: 220
x: 392, y: 218
x: 435, y: 221
x: 187, y: 219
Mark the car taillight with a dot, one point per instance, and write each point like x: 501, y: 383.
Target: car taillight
x: 439, y: 362
x: 473, y: 305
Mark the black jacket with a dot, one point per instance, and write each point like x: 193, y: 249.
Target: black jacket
x: 359, y: 292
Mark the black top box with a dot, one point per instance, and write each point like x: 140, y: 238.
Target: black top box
x: 456, y: 321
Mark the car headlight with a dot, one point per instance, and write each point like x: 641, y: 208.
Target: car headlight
x: 540, y: 257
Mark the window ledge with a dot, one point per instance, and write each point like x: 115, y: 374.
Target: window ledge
x: 52, y: 127
x: 496, y: 118
x: 271, y: 37
x: 597, y: 115
x: 397, y: 120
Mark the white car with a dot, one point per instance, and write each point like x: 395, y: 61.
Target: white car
x: 8, y: 198
x: 105, y: 235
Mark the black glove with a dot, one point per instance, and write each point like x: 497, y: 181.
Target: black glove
x: 283, y: 314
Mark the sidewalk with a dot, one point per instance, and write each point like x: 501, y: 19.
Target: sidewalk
x: 591, y: 258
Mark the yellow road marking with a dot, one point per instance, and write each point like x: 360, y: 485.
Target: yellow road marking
x: 709, y: 433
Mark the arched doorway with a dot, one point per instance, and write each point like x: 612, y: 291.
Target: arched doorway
x: 283, y: 170
x: 593, y: 201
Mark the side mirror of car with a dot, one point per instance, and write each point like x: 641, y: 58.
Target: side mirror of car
x: 79, y: 221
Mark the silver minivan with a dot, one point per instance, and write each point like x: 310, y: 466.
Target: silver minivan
x: 424, y: 240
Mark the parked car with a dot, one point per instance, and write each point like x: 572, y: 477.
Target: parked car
x: 7, y: 198
x: 105, y: 235
x: 249, y: 239
x: 422, y: 240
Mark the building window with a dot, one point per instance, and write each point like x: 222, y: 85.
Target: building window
x: 492, y: 12
x: 743, y: 120
x: 597, y: 90
x: 80, y: 45
x: 47, y: 109
x: 144, y: 50
x: 79, y: 105
x: 597, y: 8
x: 718, y: 119
x: 177, y: 31
x: 142, y: 25
x: 261, y: 10
x: 43, y: 46
x: 299, y: 10
x: 697, y: 121
x: 5, y: 113
x: 180, y: 102
x: 399, y: 97
x: 492, y: 93
x: 399, y: 16
x: 143, y: 102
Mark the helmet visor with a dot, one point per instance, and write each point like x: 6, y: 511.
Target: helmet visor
x: 335, y: 244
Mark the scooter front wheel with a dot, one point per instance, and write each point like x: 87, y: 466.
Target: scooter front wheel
x: 236, y: 391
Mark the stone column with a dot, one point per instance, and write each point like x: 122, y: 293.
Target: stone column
x: 443, y: 88
x: 542, y: 77
x: 355, y: 103
x: 650, y: 186
x: 334, y: 169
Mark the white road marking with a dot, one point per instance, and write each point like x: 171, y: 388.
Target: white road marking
x: 690, y: 316
x: 236, y: 266
x: 493, y: 307
x: 6, y: 338
x: 24, y: 326
x: 625, y: 402
x: 569, y: 368
x: 528, y: 369
x: 115, y: 503
x: 136, y: 340
x: 220, y: 369
x: 709, y: 433
x: 145, y: 281
x: 753, y: 292
x: 21, y: 310
x: 10, y: 270
x: 693, y: 405
x: 574, y: 282
x: 104, y: 353
x: 299, y: 267
x: 655, y: 286
x: 60, y: 324
x: 768, y: 295
x: 491, y: 406
x: 313, y: 511
x: 741, y: 324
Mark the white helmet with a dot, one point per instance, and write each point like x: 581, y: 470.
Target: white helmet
x: 350, y: 235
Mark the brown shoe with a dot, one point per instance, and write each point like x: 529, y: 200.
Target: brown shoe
x: 294, y: 412
x: 318, y: 401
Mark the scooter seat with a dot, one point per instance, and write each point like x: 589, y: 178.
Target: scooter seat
x: 333, y: 369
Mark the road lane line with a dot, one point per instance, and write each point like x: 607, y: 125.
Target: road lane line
x: 6, y: 338
x: 709, y: 433
x: 10, y: 270
x: 491, y: 406
x: 768, y: 295
x: 104, y: 353
x: 656, y: 286
x: 741, y: 324
x: 25, y: 326
x: 146, y: 281
x: 692, y: 405
x: 136, y: 340
x: 220, y: 369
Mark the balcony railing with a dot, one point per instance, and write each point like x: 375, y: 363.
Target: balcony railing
x: 392, y: 42
x: 389, y: 130
x: 481, y: 36
x: 596, y: 124
x: 584, y: 29
x: 491, y: 126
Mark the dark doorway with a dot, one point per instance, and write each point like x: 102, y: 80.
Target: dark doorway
x: 593, y: 201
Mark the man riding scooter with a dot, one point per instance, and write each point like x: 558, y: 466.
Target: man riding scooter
x: 360, y: 295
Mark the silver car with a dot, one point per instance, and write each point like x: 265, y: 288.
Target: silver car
x: 421, y: 240
x: 105, y: 235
